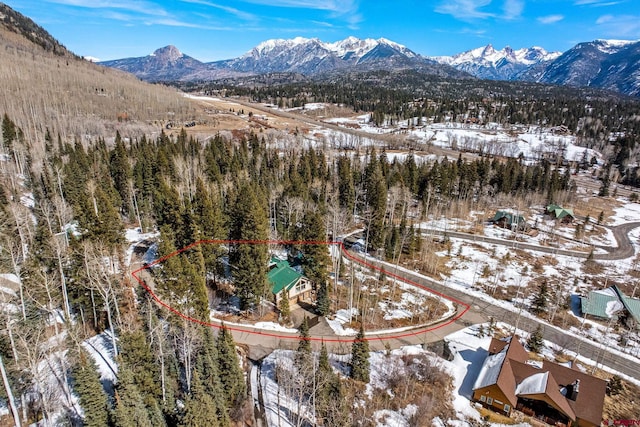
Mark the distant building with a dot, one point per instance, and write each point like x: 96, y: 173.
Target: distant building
x: 612, y: 303
x: 507, y: 219
x: 556, y: 394
x: 561, y: 214
x: 284, y: 278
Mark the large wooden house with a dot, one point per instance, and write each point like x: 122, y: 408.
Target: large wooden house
x: 285, y: 278
x: 553, y: 393
x: 561, y: 214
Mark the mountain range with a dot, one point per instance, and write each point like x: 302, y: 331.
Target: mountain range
x: 506, y: 64
x: 606, y: 64
x: 299, y: 55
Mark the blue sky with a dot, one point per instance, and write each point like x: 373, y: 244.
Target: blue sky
x: 216, y: 29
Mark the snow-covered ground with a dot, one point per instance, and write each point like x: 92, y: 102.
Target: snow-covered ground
x: 530, y: 141
x: 629, y: 212
x: 101, y: 350
x: 412, y: 302
x: 135, y: 236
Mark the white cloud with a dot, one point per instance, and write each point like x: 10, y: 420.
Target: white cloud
x: 513, y: 9
x: 143, y: 7
x: 550, y: 19
x: 469, y: 10
x: 339, y: 6
x: 596, y: 3
x: 464, y: 9
x: 604, y: 19
x: 344, y: 10
x: 231, y: 10
x: 620, y: 26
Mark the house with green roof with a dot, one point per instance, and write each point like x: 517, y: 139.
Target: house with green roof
x: 507, y: 219
x: 284, y: 278
x: 612, y: 303
x: 562, y: 214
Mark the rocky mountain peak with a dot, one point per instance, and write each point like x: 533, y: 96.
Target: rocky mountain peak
x: 168, y: 53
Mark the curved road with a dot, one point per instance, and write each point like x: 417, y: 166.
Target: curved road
x: 621, y: 232
x: 262, y: 342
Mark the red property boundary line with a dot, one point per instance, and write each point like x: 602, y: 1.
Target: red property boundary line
x: 345, y: 253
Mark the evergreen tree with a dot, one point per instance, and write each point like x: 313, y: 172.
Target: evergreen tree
x: 376, y: 200
x: 231, y: 376
x: 209, y: 218
x: 135, y: 355
x: 121, y: 174
x: 316, y: 261
x: 360, y: 357
x: 303, y: 354
x: 539, y: 303
x: 346, y: 190
x: 249, y: 260
x: 535, y: 340
x: 614, y: 385
x: 285, y: 309
x: 93, y: 399
x: 207, y: 367
x: 130, y: 409
x: 606, y: 181
x: 199, y: 407
x: 323, y: 302
x: 329, y: 399
x: 9, y: 133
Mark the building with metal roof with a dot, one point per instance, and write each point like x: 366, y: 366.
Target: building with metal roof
x: 507, y: 219
x: 562, y: 214
x: 612, y: 303
x: 283, y: 277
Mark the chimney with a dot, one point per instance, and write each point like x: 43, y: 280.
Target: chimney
x: 575, y: 389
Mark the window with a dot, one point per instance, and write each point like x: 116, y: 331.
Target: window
x: 507, y: 408
x: 489, y: 400
x: 483, y: 398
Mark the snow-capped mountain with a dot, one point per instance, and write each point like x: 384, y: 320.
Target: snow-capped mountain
x: 606, y: 64
x: 313, y: 56
x: 506, y: 64
x: 298, y: 55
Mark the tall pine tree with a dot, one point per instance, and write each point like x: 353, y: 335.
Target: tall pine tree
x: 249, y: 258
x: 360, y: 357
x: 231, y: 377
x: 93, y: 399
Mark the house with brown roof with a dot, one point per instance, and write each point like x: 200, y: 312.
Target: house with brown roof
x: 553, y: 393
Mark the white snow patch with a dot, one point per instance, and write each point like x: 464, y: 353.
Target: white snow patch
x: 341, y: 317
x: 102, y: 352
x: 271, y: 326
x: 534, y: 384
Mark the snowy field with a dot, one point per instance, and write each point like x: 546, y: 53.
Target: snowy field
x: 529, y: 141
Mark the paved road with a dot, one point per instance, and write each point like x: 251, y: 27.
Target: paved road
x: 560, y: 337
x: 623, y: 250
x: 261, y: 343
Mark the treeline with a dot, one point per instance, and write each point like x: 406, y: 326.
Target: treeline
x: 600, y: 120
